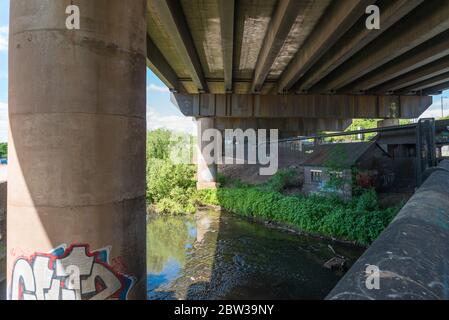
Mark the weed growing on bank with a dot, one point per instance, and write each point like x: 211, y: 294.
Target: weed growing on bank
x: 171, y: 189
x: 360, y: 220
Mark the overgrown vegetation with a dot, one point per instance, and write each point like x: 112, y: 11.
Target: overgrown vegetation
x: 172, y: 189
x: 335, y: 165
x: 3, y: 150
x: 171, y: 184
x: 360, y: 220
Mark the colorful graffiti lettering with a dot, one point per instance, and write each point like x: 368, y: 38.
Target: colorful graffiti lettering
x: 73, y: 273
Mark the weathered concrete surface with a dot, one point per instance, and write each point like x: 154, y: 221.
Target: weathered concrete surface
x: 77, y: 136
x: 412, y: 253
x: 206, y: 170
x: 301, y: 126
x: 286, y: 46
x: 301, y: 106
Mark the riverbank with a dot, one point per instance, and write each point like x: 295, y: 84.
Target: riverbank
x: 287, y: 227
x: 358, y: 221
x: 171, y: 189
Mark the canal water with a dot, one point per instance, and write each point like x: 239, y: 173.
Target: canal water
x: 213, y: 255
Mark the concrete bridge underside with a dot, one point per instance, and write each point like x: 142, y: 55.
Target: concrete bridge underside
x: 298, y: 66
x: 77, y: 108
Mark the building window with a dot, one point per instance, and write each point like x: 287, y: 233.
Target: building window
x: 336, y: 175
x: 316, y: 175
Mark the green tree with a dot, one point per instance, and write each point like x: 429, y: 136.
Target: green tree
x: 3, y: 150
x: 158, y: 144
x: 171, y: 181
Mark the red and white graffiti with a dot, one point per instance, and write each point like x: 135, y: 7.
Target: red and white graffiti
x: 73, y: 273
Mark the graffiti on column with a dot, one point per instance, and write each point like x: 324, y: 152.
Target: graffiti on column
x: 68, y: 273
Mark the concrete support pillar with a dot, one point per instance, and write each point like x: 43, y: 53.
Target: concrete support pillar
x: 206, y: 171
x: 76, y: 187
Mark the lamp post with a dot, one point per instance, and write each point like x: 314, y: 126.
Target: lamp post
x: 442, y: 106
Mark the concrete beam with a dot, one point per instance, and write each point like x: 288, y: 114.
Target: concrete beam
x: 283, y: 20
x: 436, y: 89
x: 304, y: 125
x: 226, y: 9
x: 353, y: 42
x: 429, y: 83
x: 157, y: 63
x: 420, y: 56
x: 339, y: 18
x: 412, y: 34
x: 424, y: 73
x: 301, y: 106
x: 175, y: 25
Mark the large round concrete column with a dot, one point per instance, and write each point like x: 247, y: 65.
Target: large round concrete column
x: 206, y: 166
x: 76, y: 187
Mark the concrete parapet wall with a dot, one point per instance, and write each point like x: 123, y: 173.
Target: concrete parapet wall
x: 412, y: 254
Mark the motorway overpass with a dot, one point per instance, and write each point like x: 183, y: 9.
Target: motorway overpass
x: 77, y: 108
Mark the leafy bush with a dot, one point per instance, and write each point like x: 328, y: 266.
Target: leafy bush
x: 360, y: 220
x: 171, y: 187
x: 281, y: 180
x: 159, y: 144
x: 3, y: 150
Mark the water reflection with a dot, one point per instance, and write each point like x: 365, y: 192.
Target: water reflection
x: 215, y: 255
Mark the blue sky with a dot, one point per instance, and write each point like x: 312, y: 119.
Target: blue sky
x: 160, y: 111
x: 4, y: 22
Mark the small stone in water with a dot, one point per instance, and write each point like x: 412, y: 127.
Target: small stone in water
x: 336, y: 263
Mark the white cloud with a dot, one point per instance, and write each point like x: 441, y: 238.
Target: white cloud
x: 156, y: 88
x: 4, y: 32
x: 3, y: 122
x: 175, y: 123
x: 434, y: 110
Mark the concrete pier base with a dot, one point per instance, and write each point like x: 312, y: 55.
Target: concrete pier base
x: 76, y: 189
x: 206, y: 169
